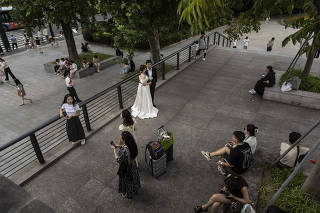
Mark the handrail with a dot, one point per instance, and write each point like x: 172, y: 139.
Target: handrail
x: 295, y: 144
x: 295, y: 171
x: 115, y: 86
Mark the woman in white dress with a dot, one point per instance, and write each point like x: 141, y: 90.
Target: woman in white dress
x: 143, y: 107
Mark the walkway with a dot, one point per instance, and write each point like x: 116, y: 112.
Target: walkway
x: 202, y: 106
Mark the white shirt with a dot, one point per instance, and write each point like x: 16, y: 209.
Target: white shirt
x: 246, y: 42
x: 74, y: 67
x: 290, y: 158
x: 252, y: 141
x: 70, y: 109
x: 68, y: 82
x: 150, y: 73
x: 62, y: 62
x: 4, y: 65
x: 235, y: 43
x: 45, y: 32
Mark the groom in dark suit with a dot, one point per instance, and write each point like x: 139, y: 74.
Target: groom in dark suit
x: 152, y: 72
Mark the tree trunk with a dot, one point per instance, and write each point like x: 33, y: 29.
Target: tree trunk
x: 4, y: 37
x: 311, y: 185
x: 71, y: 45
x: 51, y: 31
x: 154, y: 43
x: 307, y: 67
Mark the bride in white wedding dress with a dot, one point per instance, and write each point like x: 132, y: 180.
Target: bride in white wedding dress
x: 143, y: 107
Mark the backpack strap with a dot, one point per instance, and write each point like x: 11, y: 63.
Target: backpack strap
x: 298, y: 153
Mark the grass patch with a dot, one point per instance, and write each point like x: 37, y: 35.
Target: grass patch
x: 169, y: 67
x: 309, y: 83
x: 292, y: 199
x: 89, y: 56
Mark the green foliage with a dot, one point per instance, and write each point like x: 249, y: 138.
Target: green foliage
x: 167, y: 143
x: 309, y: 83
x: 292, y: 199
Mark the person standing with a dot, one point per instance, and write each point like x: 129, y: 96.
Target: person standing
x: 4, y: 66
x: 270, y: 44
x: 153, y: 78
x: 202, y: 46
x: 125, y: 154
x: 96, y: 62
x: 234, y: 43
x: 14, y: 42
x: 246, y: 43
x: 21, y: 91
x: 71, y: 111
x: 70, y: 87
x: 73, y: 69
x: 143, y: 106
x: 45, y: 33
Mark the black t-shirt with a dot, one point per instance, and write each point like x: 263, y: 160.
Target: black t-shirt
x: 236, y: 157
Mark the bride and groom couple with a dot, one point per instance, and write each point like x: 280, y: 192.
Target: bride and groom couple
x: 144, y: 106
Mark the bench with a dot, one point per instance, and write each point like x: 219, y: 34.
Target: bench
x: 294, y: 97
x: 81, y: 73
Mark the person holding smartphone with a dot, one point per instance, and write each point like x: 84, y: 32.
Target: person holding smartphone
x: 125, y: 153
x: 235, y: 192
x: 71, y: 111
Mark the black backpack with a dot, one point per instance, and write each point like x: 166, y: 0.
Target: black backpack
x: 247, y: 158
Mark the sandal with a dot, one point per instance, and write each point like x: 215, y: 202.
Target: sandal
x: 206, y: 155
x: 221, y: 170
x: 199, y: 209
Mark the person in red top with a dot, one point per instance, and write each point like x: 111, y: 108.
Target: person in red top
x: 70, y: 87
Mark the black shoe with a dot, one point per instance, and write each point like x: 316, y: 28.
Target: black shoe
x: 154, y: 105
x: 199, y: 209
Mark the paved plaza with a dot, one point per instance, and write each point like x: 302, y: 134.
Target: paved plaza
x: 202, y: 106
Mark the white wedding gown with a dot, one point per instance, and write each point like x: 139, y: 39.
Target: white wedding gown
x: 143, y: 107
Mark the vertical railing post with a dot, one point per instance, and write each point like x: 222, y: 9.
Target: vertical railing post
x: 219, y: 40
x: 178, y: 61
x: 208, y: 40
x: 214, y: 38
x: 189, y: 59
x: 223, y: 42
x: 120, y: 97
x: 163, y: 70
x: 36, y: 148
x: 86, y: 117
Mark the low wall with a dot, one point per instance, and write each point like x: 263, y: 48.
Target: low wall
x: 294, y: 97
x: 81, y: 73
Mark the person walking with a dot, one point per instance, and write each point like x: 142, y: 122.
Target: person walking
x: 14, y: 42
x: 153, y: 78
x: 270, y: 44
x: 71, y: 111
x: 7, y: 71
x: 245, y: 43
x: 125, y: 153
x: 202, y: 46
x: 21, y: 91
x: 234, y: 43
x: 45, y: 33
x: 70, y: 87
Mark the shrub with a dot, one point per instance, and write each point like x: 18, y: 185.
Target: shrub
x: 309, y: 83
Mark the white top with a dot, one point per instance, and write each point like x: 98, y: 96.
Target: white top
x: 246, y: 42
x: 252, y: 141
x: 291, y: 156
x: 3, y: 65
x: 235, y: 43
x: 130, y: 129
x: 45, y: 31
x: 70, y: 109
x: 74, y: 67
x: 150, y: 72
x: 62, y: 62
x: 197, y: 47
x: 68, y: 82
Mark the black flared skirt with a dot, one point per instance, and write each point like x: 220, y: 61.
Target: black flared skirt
x: 74, y: 129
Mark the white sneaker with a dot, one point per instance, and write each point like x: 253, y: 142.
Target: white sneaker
x: 203, y: 59
x: 206, y: 155
x: 252, y: 92
x: 83, y: 142
x: 73, y: 143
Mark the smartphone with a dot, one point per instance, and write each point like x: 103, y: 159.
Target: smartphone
x: 112, y: 144
x: 226, y: 193
x: 64, y: 113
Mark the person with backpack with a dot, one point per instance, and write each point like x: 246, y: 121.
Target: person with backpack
x: 234, y: 193
x: 21, y: 91
x: 292, y: 158
x: 125, y: 153
x: 236, y: 156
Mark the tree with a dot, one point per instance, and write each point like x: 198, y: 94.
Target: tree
x: 66, y: 14
x: 141, y: 20
x: 249, y: 20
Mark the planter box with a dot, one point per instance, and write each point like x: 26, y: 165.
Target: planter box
x: 294, y: 97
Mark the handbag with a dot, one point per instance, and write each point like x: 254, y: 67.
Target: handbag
x: 286, y: 87
x: 247, y: 208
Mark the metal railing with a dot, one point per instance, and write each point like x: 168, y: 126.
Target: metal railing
x: 33, y: 144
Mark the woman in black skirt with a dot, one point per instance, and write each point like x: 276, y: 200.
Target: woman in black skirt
x: 71, y: 111
x: 267, y: 80
x: 125, y: 153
